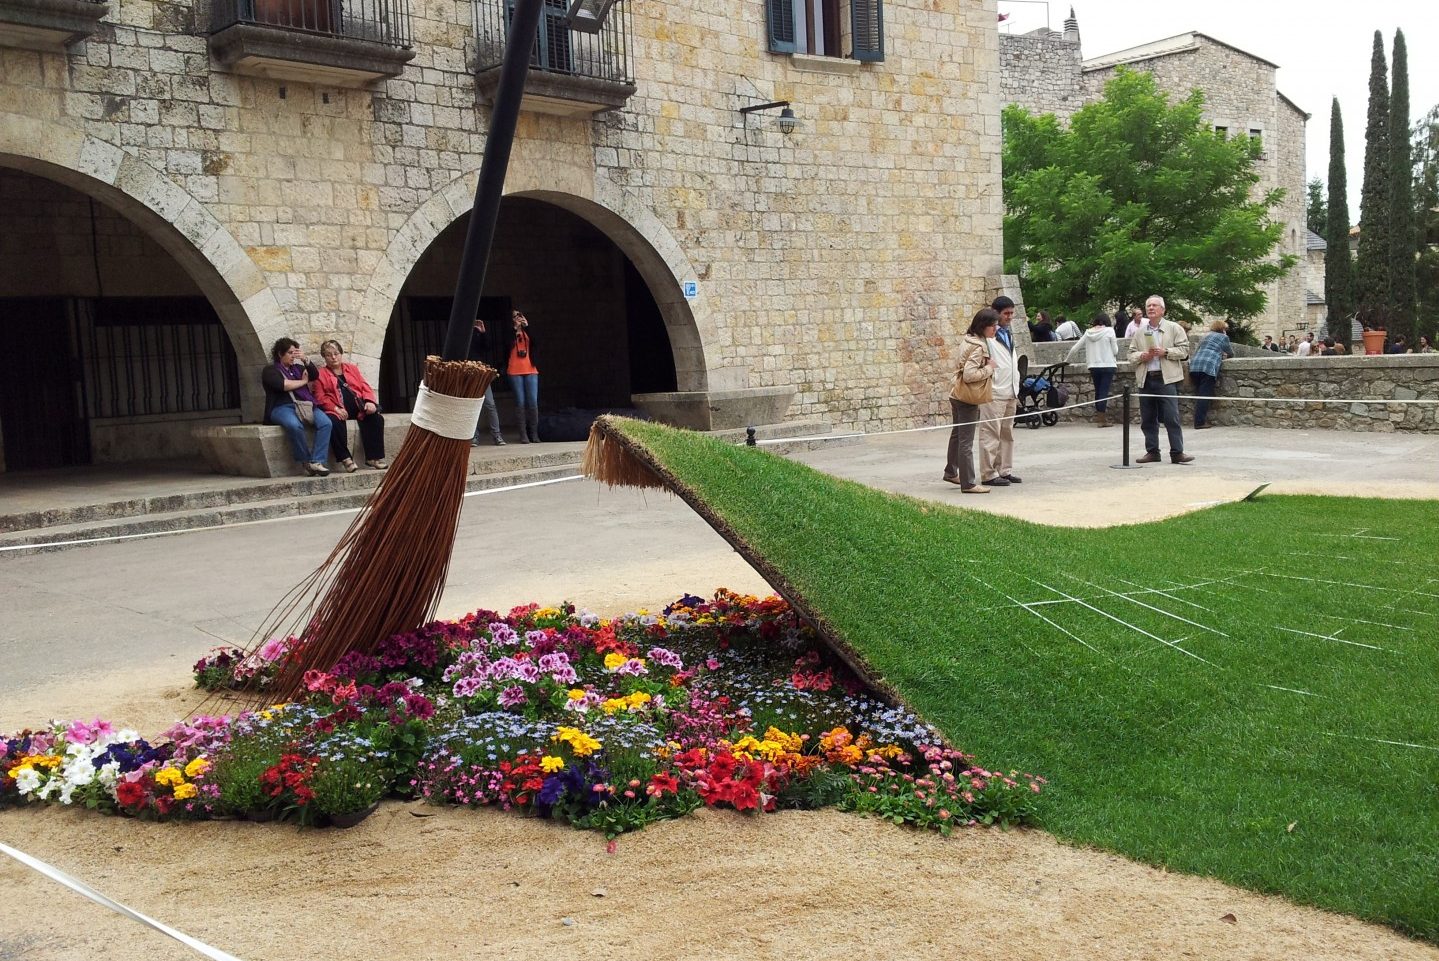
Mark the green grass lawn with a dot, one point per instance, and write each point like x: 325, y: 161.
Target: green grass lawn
x: 1249, y: 692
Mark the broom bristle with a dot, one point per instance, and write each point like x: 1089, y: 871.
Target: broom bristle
x: 387, y: 572
x: 609, y: 462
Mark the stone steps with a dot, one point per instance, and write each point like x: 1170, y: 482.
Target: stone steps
x: 266, y: 498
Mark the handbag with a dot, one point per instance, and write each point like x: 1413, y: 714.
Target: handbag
x: 306, y: 410
x: 967, y: 393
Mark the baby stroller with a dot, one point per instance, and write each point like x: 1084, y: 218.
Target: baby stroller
x: 1041, y: 395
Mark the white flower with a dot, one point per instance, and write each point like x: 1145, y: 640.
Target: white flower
x: 27, y: 781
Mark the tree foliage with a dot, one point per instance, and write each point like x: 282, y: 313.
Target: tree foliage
x: 1371, y: 268
x: 1316, y: 207
x: 1137, y: 196
x: 1401, y: 196
x: 1426, y: 206
x: 1338, y: 264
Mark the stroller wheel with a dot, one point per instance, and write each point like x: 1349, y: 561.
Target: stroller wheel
x: 1032, y: 421
x: 1050, y: 419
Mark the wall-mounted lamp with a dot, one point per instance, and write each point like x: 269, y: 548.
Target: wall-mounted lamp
x: 786, y: 121
x: 587, y: 16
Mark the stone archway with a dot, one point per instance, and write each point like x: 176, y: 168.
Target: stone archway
x: 169, y: 215
x: 634, y: 229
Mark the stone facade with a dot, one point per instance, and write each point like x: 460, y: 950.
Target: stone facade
x: 1240, y: 96
x: 842, y: 260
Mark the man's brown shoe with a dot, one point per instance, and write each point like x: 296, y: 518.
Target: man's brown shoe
x: 974, y: 489
x: 1150, y: 458
x: 1180, y: 458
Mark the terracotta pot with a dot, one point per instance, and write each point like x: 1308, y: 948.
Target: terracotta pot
x: 1374, y: 342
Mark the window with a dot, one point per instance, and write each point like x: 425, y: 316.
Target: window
x: 1257, y: 136
x: 1222, y: 131
x: 818, y: 27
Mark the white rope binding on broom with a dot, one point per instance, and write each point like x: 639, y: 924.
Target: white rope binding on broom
x: 452, y: 417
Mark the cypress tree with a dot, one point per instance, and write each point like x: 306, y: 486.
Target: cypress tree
x: 1338, y: 267
x: 1371, y: 267
x: 1401, y: 197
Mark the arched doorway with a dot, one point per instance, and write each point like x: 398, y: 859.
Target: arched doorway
x: 599, y: 333
x: 122, y: 352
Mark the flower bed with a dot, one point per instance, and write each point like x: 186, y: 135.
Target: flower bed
x: 607, y: 724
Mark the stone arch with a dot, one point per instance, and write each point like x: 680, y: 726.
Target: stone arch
x: 631, y: 226
x: 169, y: 215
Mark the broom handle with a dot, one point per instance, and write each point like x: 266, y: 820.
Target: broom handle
x: 481, y: 234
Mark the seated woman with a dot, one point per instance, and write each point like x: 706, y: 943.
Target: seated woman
x: 345, y: 395
x: 288, y: 380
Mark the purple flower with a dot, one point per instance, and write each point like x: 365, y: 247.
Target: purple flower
x: 512, y: 696
x: 467, y: 686
x: 634, y: 667
x: 666, y: 658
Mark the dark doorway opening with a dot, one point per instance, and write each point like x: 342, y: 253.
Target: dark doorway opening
x: 41, y: 409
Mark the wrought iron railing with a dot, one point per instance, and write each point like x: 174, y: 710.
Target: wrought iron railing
x: 155, y: 356
x: 381, y: 21
x: 558, y: 49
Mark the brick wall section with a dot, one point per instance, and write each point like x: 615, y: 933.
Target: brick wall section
x: 1041, y: 73
x: 843, y: 260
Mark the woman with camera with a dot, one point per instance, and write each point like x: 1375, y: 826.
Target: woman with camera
x: 524, y: 378
x: 290, y: 403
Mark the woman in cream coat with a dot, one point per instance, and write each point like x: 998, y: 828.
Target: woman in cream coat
x: 976, y: 368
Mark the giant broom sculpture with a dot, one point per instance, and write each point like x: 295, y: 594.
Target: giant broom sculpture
x: 387, y: 572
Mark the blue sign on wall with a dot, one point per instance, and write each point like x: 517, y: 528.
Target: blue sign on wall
x: 692, y: 289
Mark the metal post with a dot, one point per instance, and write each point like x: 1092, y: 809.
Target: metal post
x: 1124, y: 433
x: 488, y: 193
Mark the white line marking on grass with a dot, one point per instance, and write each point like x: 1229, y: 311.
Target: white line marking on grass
x: 1165, y: 593
x: 1360, y: 534
x: 1292, y: 690
x: 1119, y: 620
x: 1380, y: 740
x: 1040, y: 616
x: 1355, y: 620
x: 1367, y: 587
x: 1335, y: 637
x: 1157, y: 610
x: 1327, y: 557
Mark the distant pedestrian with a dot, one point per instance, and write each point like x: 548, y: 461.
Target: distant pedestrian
x: 1067, y: 329
x: 1041, y: 331
x: 1158, y: 351
x: 480, y: 350
x: 524, y: 378
x: 973, y: 386
x: 1423, y: 346
x: 1305, y: 346
x: 1400, y: 346
x: 1100, y: 349
x: 1204, y: 369
x: 1269, y: 344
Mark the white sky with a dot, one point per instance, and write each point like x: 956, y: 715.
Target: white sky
x: 1322, y: 48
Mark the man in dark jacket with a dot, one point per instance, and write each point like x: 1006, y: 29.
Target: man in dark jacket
x: 480, y: 350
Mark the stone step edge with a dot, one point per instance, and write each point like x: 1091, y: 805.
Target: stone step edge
x: 59, y: 538
x: 265, y: 489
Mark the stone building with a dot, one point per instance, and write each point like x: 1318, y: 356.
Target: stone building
x: 1045, y: 71
x: 184, y: 181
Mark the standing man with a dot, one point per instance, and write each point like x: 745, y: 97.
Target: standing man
x: 480, y: 350
x: 1158, y: 351
x: 1305, y: 346
x: 996, y: 418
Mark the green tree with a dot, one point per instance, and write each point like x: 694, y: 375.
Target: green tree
x: 1371, y: 267
x: 1316, y: 208
x: 1426, y: 209
x: 1338, y: 264
x: 1401, y: 196
x: 1137, y: 196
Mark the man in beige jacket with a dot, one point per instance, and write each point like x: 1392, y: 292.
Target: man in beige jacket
x: 1158, y: 351
x: 996, y: 418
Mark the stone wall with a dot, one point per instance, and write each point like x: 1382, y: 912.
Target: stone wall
x: 1041, y: 73
x: 843, y: 259
x: 1261, y: 392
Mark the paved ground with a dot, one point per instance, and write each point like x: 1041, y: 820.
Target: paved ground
x: 124, y: 605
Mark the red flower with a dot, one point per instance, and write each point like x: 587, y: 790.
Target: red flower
x: 130, y: 793
x: 662, y: 784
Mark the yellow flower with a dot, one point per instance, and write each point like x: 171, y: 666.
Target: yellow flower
x: 197, y: 767
x: 614, y: 704
x: 577, y: 694
x: 551, y: 764
x: 183, y: 792
x: 547, y: 612
x: 614, y: 660
x: 638, y: 700
x: 792, y: 743
x: 168, y: 776
x: 581, y: 743
x: 33, y: 761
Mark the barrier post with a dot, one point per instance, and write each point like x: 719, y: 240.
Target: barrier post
x: 1124, y: 432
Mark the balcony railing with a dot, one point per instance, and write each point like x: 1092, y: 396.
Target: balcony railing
x: 570, y: 71
x: 319, y: 40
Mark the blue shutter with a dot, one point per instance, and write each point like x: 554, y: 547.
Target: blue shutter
x: 781, y: 25
x: 866, y: 19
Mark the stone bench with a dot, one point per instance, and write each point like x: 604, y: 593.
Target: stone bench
x: 261, y: 450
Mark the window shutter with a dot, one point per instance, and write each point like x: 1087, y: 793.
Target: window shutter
x: 866, y: 18
x: 781, y: 25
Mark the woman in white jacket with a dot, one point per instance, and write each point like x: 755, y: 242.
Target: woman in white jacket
x: 1100, y: 352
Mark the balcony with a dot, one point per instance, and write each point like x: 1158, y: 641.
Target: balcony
x: 571, y: 73
x: 48, y: 24
x: 348, y: 43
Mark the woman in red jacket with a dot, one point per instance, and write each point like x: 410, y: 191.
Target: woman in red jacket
x: 343, y: 393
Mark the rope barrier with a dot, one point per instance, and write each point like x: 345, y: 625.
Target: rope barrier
x: 80, y: 887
